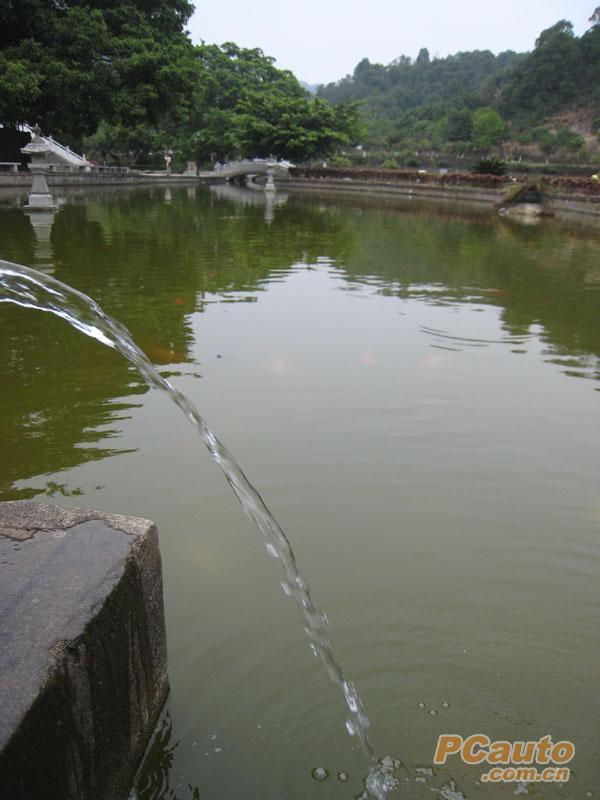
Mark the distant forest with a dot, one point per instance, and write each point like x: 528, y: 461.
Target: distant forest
x: 540, y: 104
x: 122, y: 80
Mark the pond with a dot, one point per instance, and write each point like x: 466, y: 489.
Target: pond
x: 415, y: 391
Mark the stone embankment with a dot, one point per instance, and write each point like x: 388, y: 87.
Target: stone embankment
x: 566, y: 194
x: 115, y: 177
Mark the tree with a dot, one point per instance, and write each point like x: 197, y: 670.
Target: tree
x: 459, y: 126
x: 550, y: 76
x: 253, y: 109
x: 423, y: 57
x: 84, y: 61
x: 124, y: 144
x: 488, y: 127
x: 19, y: 90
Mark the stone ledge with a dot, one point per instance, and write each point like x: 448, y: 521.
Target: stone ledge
x: 83, y: 664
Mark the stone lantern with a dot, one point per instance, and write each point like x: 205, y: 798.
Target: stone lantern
x: 39, y: 197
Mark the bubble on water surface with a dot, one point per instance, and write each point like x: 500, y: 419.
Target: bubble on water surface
x: 320, y: 774
x: 421, y: 704
x: 432, y: 712
x: 450, y: 792
x: 342, y: 777
x: 427, y: 771
x: 381, y: 780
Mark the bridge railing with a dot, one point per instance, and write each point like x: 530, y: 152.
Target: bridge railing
x: 251, y: 164
x: 60, y: 150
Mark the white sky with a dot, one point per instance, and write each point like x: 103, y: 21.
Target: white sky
x: 323, y: 40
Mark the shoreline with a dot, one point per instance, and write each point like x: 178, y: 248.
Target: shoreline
x: 23, y: 180
x: 562, y: 204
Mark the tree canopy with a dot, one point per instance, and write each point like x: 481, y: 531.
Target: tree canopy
x: 124, y: 74
x: 71, y: 64
x: 123, y: 79
x: 477, y: 99
x: 549, y: 77
x: 252, y: 108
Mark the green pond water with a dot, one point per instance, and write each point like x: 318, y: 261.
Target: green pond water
x: 415, y: 392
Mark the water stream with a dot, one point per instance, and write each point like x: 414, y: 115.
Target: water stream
x: 29, y: 288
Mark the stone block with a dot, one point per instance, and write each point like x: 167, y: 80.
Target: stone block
x: 83, y: 660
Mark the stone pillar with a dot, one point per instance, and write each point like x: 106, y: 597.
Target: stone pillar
x: 270, y: 185
x: 83, y: 660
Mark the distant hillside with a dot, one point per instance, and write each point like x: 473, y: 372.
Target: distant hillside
x: 406, y: 85
x: 547, y: 100
x: 562, y: 70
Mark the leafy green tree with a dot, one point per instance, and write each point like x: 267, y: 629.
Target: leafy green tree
x: 126, y: 62
x: 19, y: 90
x: 459, y: 126
x: 58, y: 57
x: 123, y: 144
x: 549, y: 77
x: 254, y: 109
x: 488, y: 127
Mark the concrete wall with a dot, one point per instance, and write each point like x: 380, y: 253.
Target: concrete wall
x: 83, y: 662
x: 562, y: 203
x: 396, y: 189
x: 23, y: 179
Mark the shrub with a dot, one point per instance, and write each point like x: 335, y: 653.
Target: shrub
x: 340, y: 161
x: 569, y: 139
x: 490, y: 166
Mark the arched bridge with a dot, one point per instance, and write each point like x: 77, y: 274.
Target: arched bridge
x: 252, y: 166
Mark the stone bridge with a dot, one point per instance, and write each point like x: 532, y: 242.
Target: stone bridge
x: 249, y: 168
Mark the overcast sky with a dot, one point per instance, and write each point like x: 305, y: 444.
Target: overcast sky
x: 323, y: 40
